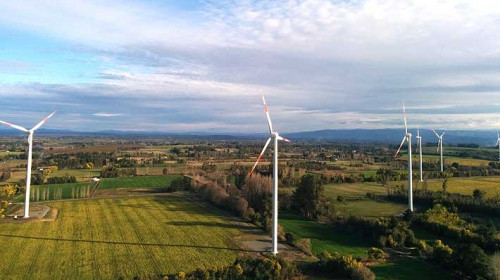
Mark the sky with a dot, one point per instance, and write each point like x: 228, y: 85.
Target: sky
x: 202, y: 66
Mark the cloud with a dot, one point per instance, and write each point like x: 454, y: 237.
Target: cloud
x: 106, y: 115
x: 322, y: 64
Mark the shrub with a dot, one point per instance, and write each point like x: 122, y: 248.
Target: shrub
x: 375, y: 254
x: 442, y: 253
x: 362, y: 273
x: 290, y: 238
x: 304, y: 245
x: 471, y: 261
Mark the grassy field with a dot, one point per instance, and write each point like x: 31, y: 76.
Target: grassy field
x: 138, y: 182
x: 467, y: 185
x: 408, y: 269
x: 324, y: 237
x: 113, y: 238
x: 369, y: 208
x: 355, y: 190
x: 334, y: 240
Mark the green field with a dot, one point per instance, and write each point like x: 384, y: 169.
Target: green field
x: 327, y: 238
x: 138, y: 182
x: 69, y: 190
x: 369, y: 208
x: 355, y: 190
x: 113, y: 238
x: 324, y: 237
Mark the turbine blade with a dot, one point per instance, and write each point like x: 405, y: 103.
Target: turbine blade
x: 439, y: 144
x: 437, y: 135
x: 402, y: 142
x: 442, y: 134
x: 284, y: 139
x: 404, y: 117
x: 260, y: 156
x: 14, y: 126
x: 267, y: 114
x: 498, y: 141
x: 42, y: 122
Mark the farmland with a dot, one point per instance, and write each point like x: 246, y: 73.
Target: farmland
x: 112, y: 238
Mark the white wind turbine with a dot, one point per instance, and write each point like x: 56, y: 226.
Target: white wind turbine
x: 440, y: 146
x: 419, y: 148
x: 498, y: 143
x: 30, y: 150
x: 275, y: 137
x: 407, y: 137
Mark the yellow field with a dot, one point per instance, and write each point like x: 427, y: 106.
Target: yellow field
x: 118, y: 238
x: 467, y: 185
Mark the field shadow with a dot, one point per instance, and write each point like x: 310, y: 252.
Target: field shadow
x: 127, y: 243
x: 213, y: 224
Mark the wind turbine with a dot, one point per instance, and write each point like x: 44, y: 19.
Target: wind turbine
x: 275, y: 137
x: 407, y: 137
x: 419, y: 148
x: 498, y: 143
x: 30, y: 149
x: 440, y: 146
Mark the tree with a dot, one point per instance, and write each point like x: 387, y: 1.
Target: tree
x: 308, y: 196
x: 445, y: 185
x: 478, y: 194
x: 5, y: 193
x: 471, y: 260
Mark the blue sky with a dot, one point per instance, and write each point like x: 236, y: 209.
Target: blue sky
x: 202, y: 65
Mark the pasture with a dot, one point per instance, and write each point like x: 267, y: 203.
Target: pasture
x: 369, y: 208
x: 122, y: 237
x: 324, y: 237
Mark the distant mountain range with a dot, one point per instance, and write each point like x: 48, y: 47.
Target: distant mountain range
x: 480, y: 137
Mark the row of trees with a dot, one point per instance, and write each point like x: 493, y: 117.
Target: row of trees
x: 6, y: 192
x: 465, y: 203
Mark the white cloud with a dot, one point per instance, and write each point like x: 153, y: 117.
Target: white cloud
x: 106, y: 115
x: 325, y: 64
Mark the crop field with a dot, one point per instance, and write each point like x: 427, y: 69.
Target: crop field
x: 449, y: 160
x: 123, y: 237
x: 467, y: 185
x: 61, y: 191
x: 80, y: 174
x: 138, y: 182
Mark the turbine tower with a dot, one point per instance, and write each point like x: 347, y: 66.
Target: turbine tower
x: 30, y: 150
x: 407, y: 137
x: 498, y: 143
x: 440, y: 146
x: 275, y: 137
x: 419, y: 148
